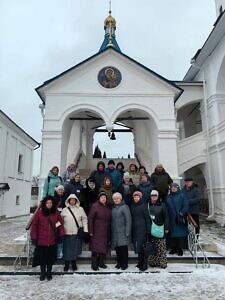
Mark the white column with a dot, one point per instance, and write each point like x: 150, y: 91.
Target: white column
x: 51, y: 154
x: 167, y: 145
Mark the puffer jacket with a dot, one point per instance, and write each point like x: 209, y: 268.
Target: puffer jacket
x: 121, y: 225
x: 69, y: 222
x: 51, y: 182
x: 42, y: 232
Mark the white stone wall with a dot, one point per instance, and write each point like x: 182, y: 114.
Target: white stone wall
x: 13, y: 144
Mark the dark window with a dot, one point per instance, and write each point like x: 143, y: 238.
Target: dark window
x: 17, y: 200
x: 20, y: 163
x: 221, y: 9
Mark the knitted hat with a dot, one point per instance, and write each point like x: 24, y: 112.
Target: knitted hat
x: 137, y: 193
x: 154, y: 192
x: 126, y: 175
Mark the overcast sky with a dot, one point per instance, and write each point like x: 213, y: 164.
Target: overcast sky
x: 40, y: 39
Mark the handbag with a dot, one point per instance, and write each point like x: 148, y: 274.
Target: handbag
x: 180, y: 218
x: 157, y: 230
x: 80, y: 230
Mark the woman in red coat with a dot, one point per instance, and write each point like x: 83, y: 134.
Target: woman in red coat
x: 99, y: 220
x: 47, y: 227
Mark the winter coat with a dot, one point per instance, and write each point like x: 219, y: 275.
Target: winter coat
x: 88, y: 197
x: 145, y: 188
x: 158, y: 214
x: 135, y: 177
x: 116, y: 178
x: 41, y: 230
x: 69, y: 174
x: 51, y: 182
x: 194, y: 196
x: 98, y: 175
x: 176, y: 202
x: 74, y: 188
x: 121, y: 225
x: 140, y: 224
x: 60, y: 200
x: 69, y: 222
x: 127, y: 194
x: 99, y: 220
x: 161, y: 182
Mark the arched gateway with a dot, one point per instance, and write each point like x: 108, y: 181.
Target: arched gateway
x: 108, y: 88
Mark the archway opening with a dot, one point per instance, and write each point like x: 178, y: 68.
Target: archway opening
x: 189, y: 120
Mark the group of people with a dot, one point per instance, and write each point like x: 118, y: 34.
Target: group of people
x: 114, y: 209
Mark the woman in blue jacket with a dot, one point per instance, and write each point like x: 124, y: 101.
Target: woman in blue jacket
x: 177, y: 204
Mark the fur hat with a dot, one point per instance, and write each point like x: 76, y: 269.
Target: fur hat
x: 126, y: 175
x: 154, y: 192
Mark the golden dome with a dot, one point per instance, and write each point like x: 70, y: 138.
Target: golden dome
x: 110, y: 21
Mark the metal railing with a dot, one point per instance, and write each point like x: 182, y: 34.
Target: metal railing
x: 194, y: 246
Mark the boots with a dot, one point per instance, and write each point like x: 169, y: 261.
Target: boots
x: 139, y: 264
x: 101, y: 261
x: 74, y: 265
x: 94, y: 263
x: 67, y: 265
x: 49, y: 272
x: 143, y: 262
x: 43, y: 272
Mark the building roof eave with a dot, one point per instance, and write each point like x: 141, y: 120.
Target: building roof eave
x: 209, y: 46
x: 32, y: 140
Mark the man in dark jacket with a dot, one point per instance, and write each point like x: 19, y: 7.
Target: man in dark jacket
x: 193, y: 195
x: 99, y: 174
x: 161, y: 181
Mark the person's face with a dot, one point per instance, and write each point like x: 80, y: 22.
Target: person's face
x: 72, y: 201
x: 60, y: 192
x: 154, y: 198
x: 77, y: 178
x: 111, y: 166
x: 188, y: 184
x: 119, y: 167
x: 126, y: 180
x: 159, y: 168
x: 107, y: 182
x: 102, y: 199
x: 100, y: 167
x: 72, y: 167
x: 55, y: 171
x: 174, y: 189
x: 117, y: 200
x: 144, y: 179
x: 137, y: 198
x: 132, y: 168
x: 48, y: 204
x: 91, y: 184
x: 142, y: 171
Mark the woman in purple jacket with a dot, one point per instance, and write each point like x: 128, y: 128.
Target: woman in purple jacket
x: 99, y: 220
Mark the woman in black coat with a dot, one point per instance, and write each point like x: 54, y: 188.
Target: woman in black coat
x: 89, y: 194
x: 140, y: 228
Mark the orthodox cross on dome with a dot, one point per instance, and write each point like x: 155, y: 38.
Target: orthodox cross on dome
x: 110, y: 27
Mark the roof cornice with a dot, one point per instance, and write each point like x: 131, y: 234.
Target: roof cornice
x: 209, y: 46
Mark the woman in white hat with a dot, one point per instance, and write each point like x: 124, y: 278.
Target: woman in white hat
x: 159, y: 229
x: 73, y: 216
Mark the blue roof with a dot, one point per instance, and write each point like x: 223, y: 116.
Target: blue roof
x: 106, y: 43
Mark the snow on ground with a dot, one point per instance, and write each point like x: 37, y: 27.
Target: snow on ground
x: 199, y: 284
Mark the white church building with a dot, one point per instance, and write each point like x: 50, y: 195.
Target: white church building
x: 180, y: 124
x: 16, y: 166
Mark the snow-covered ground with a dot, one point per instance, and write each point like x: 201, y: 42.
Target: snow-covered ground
x: 194, y: 284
